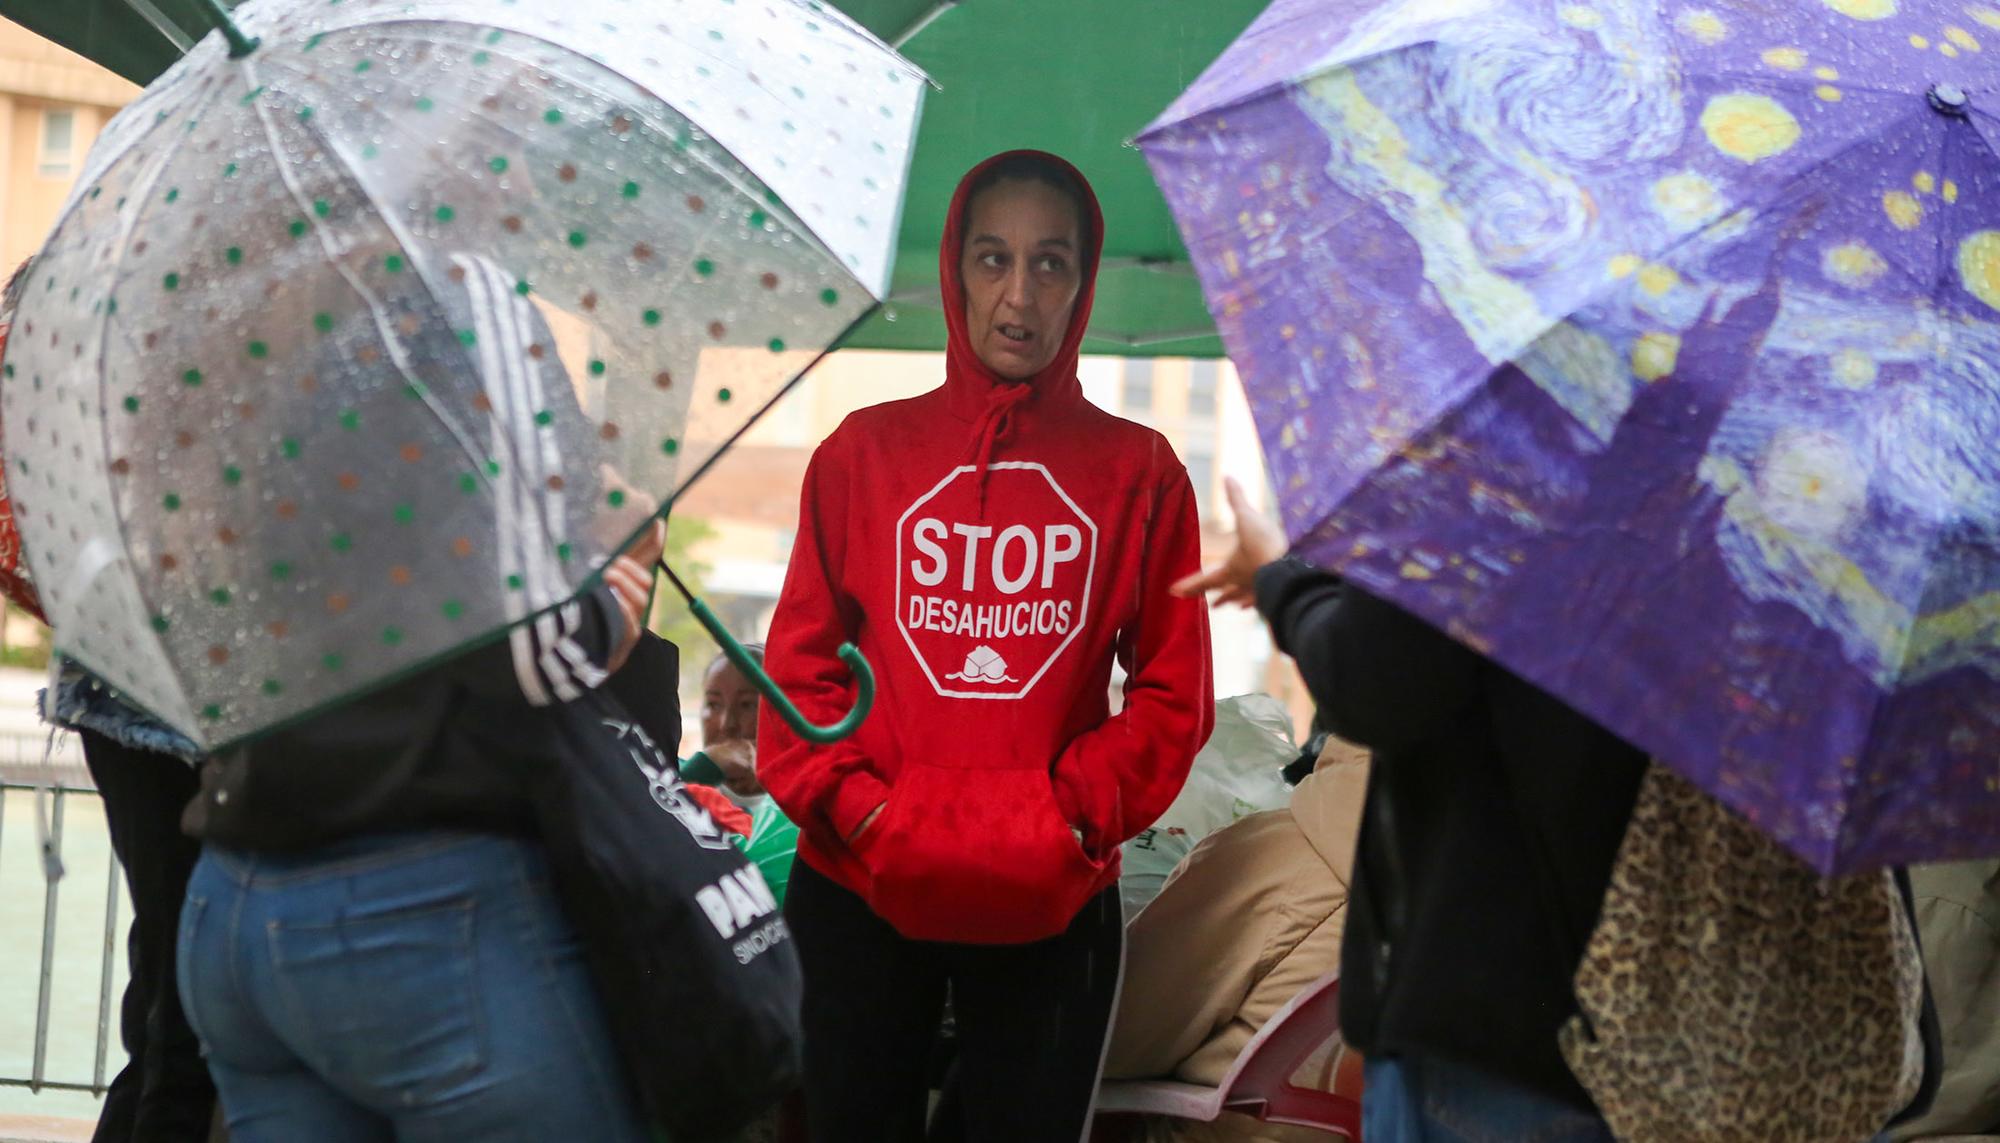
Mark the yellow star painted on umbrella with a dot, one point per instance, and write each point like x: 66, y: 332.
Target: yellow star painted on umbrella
x: 1903, y: 209
x: 1704, y: 25
x: 1656, y: 279
x: 1853, y: 369
x: 1787, y: 59
x: 1863, y: 9
x: 1853, y: 264
x: 1749, y: 127
x: 1654, y: 355
x: 1979, y: 266
x: 1685, y: 200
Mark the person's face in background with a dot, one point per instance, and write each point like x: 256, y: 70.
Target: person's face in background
x: 1022, y: 267
x: 728, y: 705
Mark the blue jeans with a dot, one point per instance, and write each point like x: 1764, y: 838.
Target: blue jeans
x: 1414, y: 1099
x: 412, y: 987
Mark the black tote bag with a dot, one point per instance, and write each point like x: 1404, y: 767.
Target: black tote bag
x: 689, y: 950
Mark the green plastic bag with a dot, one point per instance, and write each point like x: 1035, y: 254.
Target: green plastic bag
x: 774, y: 841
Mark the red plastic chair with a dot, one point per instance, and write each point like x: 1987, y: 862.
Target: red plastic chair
x: 1260, y: 1083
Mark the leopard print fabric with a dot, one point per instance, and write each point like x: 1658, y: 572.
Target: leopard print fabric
x: 1729, y: 993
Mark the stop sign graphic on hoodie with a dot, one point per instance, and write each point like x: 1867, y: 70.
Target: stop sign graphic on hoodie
x: 993, y: 547
x: 987, y: 606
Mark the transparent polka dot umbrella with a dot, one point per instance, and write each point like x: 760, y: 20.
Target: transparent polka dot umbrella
x: 375, y: 328
x: 1652, y: 348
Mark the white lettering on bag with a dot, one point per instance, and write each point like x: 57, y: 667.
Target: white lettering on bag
x: 773, y: 933
x: 738, y: 899
x: 719, y: 913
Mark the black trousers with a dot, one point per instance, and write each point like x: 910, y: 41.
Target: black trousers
x: 164, y: 1094
x: 1031, y: 1022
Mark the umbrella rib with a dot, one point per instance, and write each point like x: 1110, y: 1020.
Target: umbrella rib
x: 1242, y: 98
x: 1147, y: 340
x: 924, y: 20
x: 1851, y: 780
x: 143, y: 192
x: 390, y: 340
x: 1789, y: 83
x: 431, y: 291
x: 722, y: 171
x: 1755, y: 207
x: 918, y: 297
x: 1939, y: 262
x: 804, y: 227
x: 394, y: 345
x: 1280, y: 86
x: 747, y: 425
x: 1758, y: 207
x: 173, y: 33
x: 674, y: 286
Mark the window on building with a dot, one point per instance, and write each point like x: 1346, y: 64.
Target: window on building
x: 1136, y: 401
x: 1201, y: 474
x: 58, y: 152
x: 1201, y: 389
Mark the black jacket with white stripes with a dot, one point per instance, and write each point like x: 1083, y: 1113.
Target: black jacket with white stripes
x: 431, y: 752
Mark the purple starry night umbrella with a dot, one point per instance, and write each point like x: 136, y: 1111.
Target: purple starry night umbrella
x: 1652, y: 349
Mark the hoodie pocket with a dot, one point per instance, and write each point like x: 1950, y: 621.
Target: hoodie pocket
x: 976, y: 856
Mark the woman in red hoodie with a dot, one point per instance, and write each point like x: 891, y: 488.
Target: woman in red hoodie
x: 992, y: 546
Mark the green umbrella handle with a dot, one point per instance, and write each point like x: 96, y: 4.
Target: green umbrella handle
x: 864, y: 678
x: 741, y: 658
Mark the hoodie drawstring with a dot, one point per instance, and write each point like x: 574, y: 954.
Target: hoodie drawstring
x: 995, y: 421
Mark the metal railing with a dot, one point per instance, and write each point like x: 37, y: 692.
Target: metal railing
x: 53, y: 784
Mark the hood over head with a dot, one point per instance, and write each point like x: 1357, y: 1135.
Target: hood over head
x: 974, y: 392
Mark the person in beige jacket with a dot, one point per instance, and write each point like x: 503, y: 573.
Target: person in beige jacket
x: 1250, y: 918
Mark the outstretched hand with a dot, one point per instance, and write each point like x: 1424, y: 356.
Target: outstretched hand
x: 1258, y: 542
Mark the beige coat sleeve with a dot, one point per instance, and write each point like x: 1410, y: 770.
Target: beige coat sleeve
x: 1193, y: 955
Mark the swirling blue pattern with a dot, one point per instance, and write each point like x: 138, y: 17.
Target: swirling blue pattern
x: 1653, y: 348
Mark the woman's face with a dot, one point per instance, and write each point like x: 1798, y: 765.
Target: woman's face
x: 1022, y: 267
x: 728, y: 705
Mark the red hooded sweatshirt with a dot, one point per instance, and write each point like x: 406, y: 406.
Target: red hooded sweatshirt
x: 991, y: 546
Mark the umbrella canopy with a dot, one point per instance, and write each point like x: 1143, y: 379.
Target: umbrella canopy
x: 1074, y: 79
x: 1652, y: 349
x: 357, y: 348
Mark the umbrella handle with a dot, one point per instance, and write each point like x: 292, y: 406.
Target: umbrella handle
x: 864, y: 678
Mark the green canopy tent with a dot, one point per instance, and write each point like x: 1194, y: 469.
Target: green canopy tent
x: 1076, y: 79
